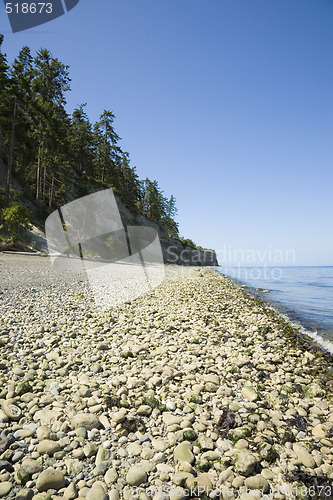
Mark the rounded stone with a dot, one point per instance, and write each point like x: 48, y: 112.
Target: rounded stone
x: 88, y: 421
x: 144, y: 410
x: 97, y: 492
x: 43, y: 432
x: 304, y: 456
x: 111, y: 476
x: 136, y: 476
x: 48, y: 446
x: 81, y: 432
x: 24, y: 494
x: 200, y: 485
x: 50, y: 479
x: 12, y: 411
x: 249, y: 394
x: 5, y: 488
x: 22, y: 476
x: 32, y: 466
x: 183, y: 453
x: 134, y: 449
x: 70, y: 492
x: 245, y: 462
x: 257, y: 482
x: 114, y: 494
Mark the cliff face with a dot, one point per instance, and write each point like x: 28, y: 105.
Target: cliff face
x: 173, y: 250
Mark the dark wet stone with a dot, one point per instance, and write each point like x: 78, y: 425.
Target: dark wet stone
x: 298, y: 421
x: 5, y: 443
x: 299, y: 388
x: 133, y: 425
x: 112, y: 401
x: 4, y: 464
x: 227, y: 420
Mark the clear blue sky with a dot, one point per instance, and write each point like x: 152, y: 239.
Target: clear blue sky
x: 227, y: 103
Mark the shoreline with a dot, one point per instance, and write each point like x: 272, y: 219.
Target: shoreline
x: 196, y: 385
x: 310, y: 336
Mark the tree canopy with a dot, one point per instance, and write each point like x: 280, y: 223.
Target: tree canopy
x: 49, y: 150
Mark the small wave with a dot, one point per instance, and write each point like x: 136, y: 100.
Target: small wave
x: 327, y: 345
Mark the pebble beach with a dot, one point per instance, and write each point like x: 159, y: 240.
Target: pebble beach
x: 195, y: 390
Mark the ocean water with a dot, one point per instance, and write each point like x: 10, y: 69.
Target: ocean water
x: 304, y: 294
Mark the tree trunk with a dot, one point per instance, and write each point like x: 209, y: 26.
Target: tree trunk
x: 44, y: 171
x: 44, y: 183
x: 10, y: 155
x: 2, y: 148
x: 51, y: 191
x: 39, y: 167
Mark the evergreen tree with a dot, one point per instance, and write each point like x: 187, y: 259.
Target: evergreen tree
x: 108, y: 154
x: 4, y: 111
x: 131, y: 191
x: 82, y: 140
x: 170, y: 211
x: 51, y: 152
x: 22, y: 145
x: 50, y: 84
x: 153, y: 201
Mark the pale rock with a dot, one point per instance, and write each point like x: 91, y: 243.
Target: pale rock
x: 47, y: 417
x: 205, y: 442
x: 111, y: 476
x: 43, y: 432
x: 136, y: 476
x: 200, y: 485
x: 134, y: 449
x: 249, y: 394
x: 160, y: 458
x: 144, y: 410
x: 50, y: 479
x: 170, y: 419
x: 212, y: 378
x: 97, y: 492
x: 119, y: 416
x: 183, y: 453
x: 102, y: 456
x: 32, y: 466
x: 159, y: 444
x: 88, y: 421
x: 304, y: 456
x: 5, y: 488
x: 245, y: 462
x: 70, y: 492
x: 257, y: 482
x: 49, y: 447
x: 114, y: 494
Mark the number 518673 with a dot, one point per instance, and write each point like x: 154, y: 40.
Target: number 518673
x: 29, y: 8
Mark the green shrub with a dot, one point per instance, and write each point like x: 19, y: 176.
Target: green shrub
x: 16, y: 217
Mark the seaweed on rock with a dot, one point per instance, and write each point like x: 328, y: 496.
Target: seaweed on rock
x: 319, y: 487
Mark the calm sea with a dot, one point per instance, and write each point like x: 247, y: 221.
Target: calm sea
x: 304, y: 294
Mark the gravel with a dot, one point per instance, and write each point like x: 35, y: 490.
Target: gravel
x: 195, y: 389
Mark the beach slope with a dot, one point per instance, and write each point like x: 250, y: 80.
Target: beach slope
x: 193, y: 390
